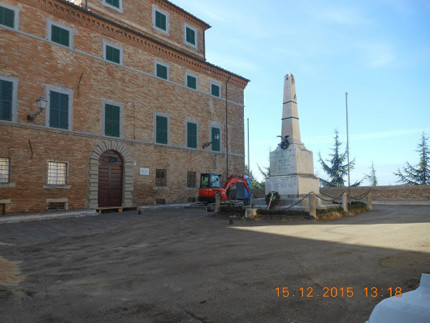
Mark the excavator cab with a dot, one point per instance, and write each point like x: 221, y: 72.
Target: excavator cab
x: 210, y: 186
x: 210, y: 180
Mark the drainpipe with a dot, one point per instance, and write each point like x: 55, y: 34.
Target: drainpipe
x: 226, y: 122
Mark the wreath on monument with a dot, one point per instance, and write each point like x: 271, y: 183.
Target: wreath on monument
x: 273, y: 198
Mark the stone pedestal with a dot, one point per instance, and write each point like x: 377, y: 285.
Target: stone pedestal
x: 292, y: 172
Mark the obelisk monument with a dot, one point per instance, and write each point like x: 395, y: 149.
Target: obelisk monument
x: 291, y: 164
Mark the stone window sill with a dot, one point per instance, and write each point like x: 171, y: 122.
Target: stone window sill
x: 50, y: 186
x: 160, y: 188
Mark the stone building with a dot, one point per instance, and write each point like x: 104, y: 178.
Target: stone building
x: 134, y: 112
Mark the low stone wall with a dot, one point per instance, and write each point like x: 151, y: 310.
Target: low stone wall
x: 384, y: 193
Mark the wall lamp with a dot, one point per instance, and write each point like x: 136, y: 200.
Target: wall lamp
x: 41, y: 105
x: 207, y: 144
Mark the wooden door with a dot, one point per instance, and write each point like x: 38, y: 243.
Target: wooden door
x: 110, y: 179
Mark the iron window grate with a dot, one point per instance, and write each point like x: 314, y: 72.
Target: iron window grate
x: 4, y: 170
x: 160, y: 177
x: 57, y: 173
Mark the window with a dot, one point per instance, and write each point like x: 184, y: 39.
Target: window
x: 112, y: 53
x: 191, y: 135
x: 160, y: 20
x: 190, y: 36
x: 191, y: 81
x: 215, y: 139
x: 57, y: 173
x: 60, y: 34
x: 161, y: 129
x: 4, y: 170
x: 59, y: 113
x: 112, y: 121
x: 215, y: 89
x: 113, y: 4
x: 160, y: 177
x: 8, y: 93
x: 9, y: 16
x: 162, y: 70
x: 191, y: 179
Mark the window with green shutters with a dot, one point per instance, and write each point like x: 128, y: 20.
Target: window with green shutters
x: 216, y: 139
x: 7, y: 17
x: 6, y: 97
x: 190, y: 36
x: 161, y: 71
x: 112, y: 120
x: 113, y: 54
x: 58, y: 110
x: 215, y: 90
x: 160, y: 20
x: 191, y: 82
x: 191, y: 135
x: 113, y: 3
x: 60, y: 35
x: 161, y: 130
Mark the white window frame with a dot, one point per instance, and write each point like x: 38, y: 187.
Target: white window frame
x: 15, y: 82
x: 49, y: 32
x: 119, y: 47
x: 120, y: 9
x: 67, y: 174
x: 186, y: 81
x: 187, y: 121
x: 48, y: 89
x: 217, y: 84
x: 216, y: 125
x: 185, y: 36
x: 121, y: 109
x: 154, y: 9
x: 155, y: 128
x: 162, y: 64
x: 16, y: 10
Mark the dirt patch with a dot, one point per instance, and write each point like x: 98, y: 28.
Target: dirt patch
x: 9, y: 272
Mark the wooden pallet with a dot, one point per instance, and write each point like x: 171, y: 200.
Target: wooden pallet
x: 117, y: 208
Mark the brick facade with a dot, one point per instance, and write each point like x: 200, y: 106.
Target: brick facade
x: 39, y: 65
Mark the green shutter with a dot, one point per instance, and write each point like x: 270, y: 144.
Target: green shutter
x: 161, y: 71
x: 160, y: 20
x: 7, y: 17
x: 190, y: 36
x: 112, y: 120
x: 191, y: 135
x: 216, y: 142
x: 191, y: 82
x: 6, y: 96
x: 114, y: 3
x: 58, y: 110
x: 113, y: 54
x: 215, y: 90
x: 161, y: 128
x: 60, y: 35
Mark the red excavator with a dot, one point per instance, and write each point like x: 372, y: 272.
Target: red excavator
x: 210, y: 186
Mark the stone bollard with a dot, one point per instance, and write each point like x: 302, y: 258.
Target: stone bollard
x: 217, y: 203
x: 345, y: 202
x: 369, y: 201
x: 313, y: 205
x: 250, y: 213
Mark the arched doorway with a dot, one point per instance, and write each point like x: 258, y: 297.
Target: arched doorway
x: 110, y: 179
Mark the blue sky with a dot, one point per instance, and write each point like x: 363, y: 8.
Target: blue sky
x: 376, y: 50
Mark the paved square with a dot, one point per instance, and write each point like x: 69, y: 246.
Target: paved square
x: 180, y: 265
